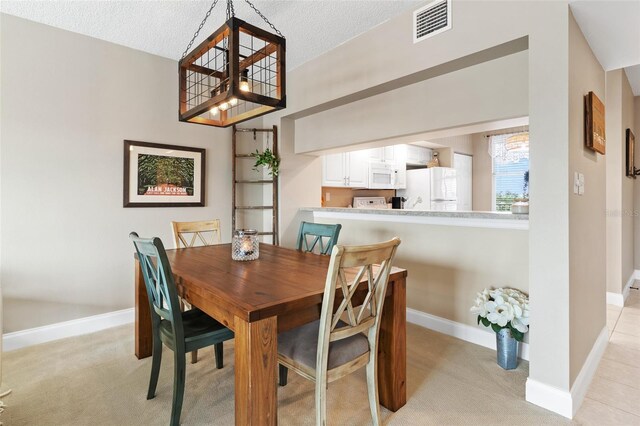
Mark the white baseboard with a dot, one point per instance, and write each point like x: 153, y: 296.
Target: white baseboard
x: 615, y: 299
x: 47, y: 333
x: 588, y: 370
x: 618, y: 299
x: 549, y: 397
x: 461, y: 331
x: 567, y: 403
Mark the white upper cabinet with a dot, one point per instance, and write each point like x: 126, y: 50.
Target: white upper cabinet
x: 417, y: 154
x: 346, y: 170
x: 334, y: 170
x: 385, y: 154
x: 357, y: 169
x: 388, y: 153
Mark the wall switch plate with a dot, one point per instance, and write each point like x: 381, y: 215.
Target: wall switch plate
x: 580, y: 184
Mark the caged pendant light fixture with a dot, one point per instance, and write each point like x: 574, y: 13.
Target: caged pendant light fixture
x: 236, y: 74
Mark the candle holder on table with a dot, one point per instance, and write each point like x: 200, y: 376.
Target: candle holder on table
x: 245, y: 245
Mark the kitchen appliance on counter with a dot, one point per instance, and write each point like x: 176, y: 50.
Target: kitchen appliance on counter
x: 397, y: 202
x: 369, y: 203
x: 433, y: 188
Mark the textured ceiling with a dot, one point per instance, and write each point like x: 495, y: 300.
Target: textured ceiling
x: 612, y: 29
x: 165, y: 27
x: 311, y: 27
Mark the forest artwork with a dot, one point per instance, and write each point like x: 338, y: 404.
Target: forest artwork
x: 159, y: 175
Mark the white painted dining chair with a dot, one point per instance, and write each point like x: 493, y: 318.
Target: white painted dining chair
x: 345, y: 339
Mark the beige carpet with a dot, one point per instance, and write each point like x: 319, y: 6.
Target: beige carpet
x: 96, y: 380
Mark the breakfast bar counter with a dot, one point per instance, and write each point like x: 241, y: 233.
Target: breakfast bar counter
x: 476, y: 219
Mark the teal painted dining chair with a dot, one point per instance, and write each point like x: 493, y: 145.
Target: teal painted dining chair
x: 312, y: 238
x: 182, y: 332
x: 320, y: 236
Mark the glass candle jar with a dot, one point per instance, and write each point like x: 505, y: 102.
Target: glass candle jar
x: 245, y: 245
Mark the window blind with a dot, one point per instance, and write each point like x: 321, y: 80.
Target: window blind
x: 509, y: 168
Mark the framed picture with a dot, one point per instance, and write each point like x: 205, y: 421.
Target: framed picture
x: 594, y: 123
x: 631, y: 149
x: 157, y: 175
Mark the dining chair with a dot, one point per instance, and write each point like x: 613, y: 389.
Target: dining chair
x: 207, y: 232
x: 318, y: 235
x: 345, y: 338
x: 188, y: 234
x: 311, y: 236
x: 181, y: 332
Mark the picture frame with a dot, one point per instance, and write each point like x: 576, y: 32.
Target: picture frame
x: 631, y: 148
x: 594, y: 123
x: 159, y: 175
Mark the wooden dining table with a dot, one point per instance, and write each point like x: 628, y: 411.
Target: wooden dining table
x: 281, y: 290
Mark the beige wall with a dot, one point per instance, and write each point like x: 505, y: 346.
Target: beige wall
x: 587, y: 223
x: 448, y: 265
x: 482, y: 173
x: 423, y: 106
x: 614, y: 170
x: 68, y: 101
x: 628, y: 228
x: 1, y: 299
x: 620, y: 194
x: 636, y: 186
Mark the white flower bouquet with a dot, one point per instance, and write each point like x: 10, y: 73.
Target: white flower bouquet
x: 503, y: 308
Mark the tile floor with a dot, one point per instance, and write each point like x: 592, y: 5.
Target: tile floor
x: 614, y: 395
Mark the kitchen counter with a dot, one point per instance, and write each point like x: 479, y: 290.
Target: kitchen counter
x: 503, y: 220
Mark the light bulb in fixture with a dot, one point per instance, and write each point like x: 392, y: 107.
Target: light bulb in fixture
x: 214, y: 111
x: 224, y: 106
x: 244, y: 81
x: 233, y: 102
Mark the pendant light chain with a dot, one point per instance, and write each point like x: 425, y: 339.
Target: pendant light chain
x: 231, y: 13
x: 264, y: 18
x: 199, y: 28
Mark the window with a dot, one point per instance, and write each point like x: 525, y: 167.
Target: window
x: 510, y: 154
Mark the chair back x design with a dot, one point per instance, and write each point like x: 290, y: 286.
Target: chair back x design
x: 345, y: 338
x: 318, y: 235
x: 188, y: 234
x: 158, y: 279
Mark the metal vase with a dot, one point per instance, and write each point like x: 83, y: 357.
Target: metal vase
x: 507, y: 348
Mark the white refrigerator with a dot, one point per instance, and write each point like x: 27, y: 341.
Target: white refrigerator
x: 430, y: 189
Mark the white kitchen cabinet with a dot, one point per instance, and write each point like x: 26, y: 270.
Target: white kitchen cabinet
x: 357, y: 171
x: 345, y: 170
x: 463, y: 164
x: 334, y: 170
x: 417, y: 154
x: 385, y: 154
x: 388, y: 153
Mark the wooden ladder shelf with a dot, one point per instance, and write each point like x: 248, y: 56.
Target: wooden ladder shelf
x: 274, y: 182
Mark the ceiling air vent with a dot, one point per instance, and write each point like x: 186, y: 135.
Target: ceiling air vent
x: 431, y: 19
